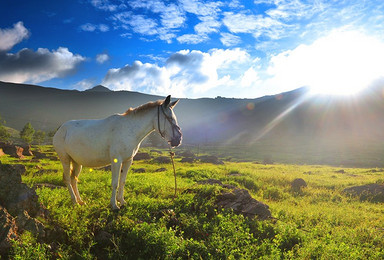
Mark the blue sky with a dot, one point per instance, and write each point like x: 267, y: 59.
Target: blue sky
x: 193, y: 48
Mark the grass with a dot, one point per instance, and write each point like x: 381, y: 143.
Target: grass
x: 321, y: 222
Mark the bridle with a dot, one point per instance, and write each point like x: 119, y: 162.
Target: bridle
x: 174, y: 126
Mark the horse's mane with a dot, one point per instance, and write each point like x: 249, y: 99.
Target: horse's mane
x: 143, y: 107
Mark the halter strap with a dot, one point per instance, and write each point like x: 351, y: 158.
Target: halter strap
x: 174, y: 126
x: 158, y: 120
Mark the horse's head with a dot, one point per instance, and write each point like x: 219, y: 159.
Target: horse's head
x: 167, y: 122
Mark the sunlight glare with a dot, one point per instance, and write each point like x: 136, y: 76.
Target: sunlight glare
x: 342, y: 63
x: 345, y: 63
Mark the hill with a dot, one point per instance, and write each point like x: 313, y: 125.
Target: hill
x: 294, y: 122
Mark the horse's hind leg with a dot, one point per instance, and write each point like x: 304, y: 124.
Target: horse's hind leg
x: 66, y: 162
x: 74, y: 179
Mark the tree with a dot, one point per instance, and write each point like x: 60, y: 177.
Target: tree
x: 27, y: 133
x: 39, y: 137
x: 4, y: 134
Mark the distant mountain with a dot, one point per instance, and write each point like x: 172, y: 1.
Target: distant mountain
x: 98, y: 88
x: 291, y: 119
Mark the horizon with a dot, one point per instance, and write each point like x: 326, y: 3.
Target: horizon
x: 193, y: 48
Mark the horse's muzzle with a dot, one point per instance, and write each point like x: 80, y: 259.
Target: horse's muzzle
x: 175, y: 142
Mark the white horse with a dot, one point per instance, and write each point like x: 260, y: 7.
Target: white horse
x: 114, y: 140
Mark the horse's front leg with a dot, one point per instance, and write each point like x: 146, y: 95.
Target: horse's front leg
x: 123, y: 176
x: 116, y: 168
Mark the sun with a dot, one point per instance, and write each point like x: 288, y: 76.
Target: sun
x: 344, y: 63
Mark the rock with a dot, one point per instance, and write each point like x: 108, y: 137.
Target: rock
x: 16, y: 196
x: 46, y: 185
x: 161, y: 170
x: 297, y: 184
x: 8, y: 231
x: 187, y: 160
x: 104, y: 238
x: 187, y: 154
x: 106, y: 168
x: 33, y: 225
x: 19, y: 207
x: 162, y: 159
x: 43, y: 171
x: 138, y: 170
x: 371, y: 192
x: 210, y: 159
x: 39, y: 155
x: 12, y: 150
x: 142, y: 156
x: 27, y: 150
x: 340, y: 171
x: 240, y: 201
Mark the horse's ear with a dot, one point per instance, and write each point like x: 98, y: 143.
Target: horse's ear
x: 167, y: 101
x: 174, y: 103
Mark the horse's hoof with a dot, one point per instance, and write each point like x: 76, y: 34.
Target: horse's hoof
x: 81, y: 202
x: 115, y: 208
x: 122, y: 203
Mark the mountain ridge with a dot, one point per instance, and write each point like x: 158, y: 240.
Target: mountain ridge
x: 293, y: 117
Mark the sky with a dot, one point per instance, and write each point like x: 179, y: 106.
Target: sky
x: 194, y: 48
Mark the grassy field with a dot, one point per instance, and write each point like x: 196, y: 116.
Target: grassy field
x: 321, y: 222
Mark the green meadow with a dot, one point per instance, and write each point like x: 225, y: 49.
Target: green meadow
x: 318, y: 222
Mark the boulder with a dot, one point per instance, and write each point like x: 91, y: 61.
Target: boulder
x: 138, y: 170
x: 298, y: 184
x: 187, y: 160
x: 8, y: 231
x: 370, y: 192
x: 39, y: 155
x: 16, y: 196
x: 27, y: 150
x: 240, y: 201
x: 161, y: 170
x: 19, y: 207
x: 187, y: 154
x: 210, y: 159
x: 12, y: 150
x: 162, y: 159
x: 142, y: 156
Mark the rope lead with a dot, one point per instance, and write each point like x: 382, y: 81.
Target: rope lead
x: 172, y: 154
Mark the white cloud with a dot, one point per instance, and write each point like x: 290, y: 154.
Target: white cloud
x: 172, y: 17
x: 106, y: 5
x: 208, y: 25
x: 142, y: 25
x: 84, y: 84
x: 241, y: 23
x: 250, y: 78
x: 29, y: 66
x: 147, y: 77
x: 209, y: 8
x: 192, y: 38
x: 101, y: 58
x: 229, y: 39
x: 185, y: 73
x: 11, y: 37
x: 89, y: 27
x: 287, y: 9
x: 257, y: 25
